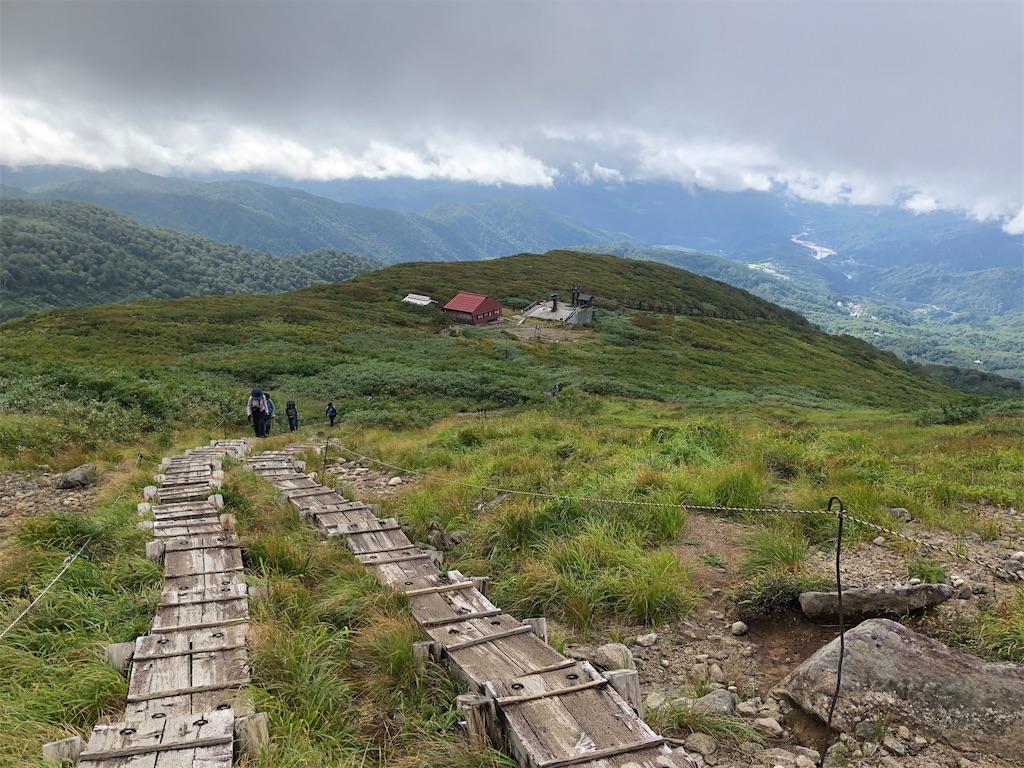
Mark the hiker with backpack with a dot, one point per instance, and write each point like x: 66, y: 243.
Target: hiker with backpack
x: 331, y: 412
x: 293, y: 415
x: 271, y: 413
x: 257, y: 411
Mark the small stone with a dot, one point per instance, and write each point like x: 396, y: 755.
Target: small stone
x: 395, y: 481
x: 915, y: 581
x: 646, y: 641
x: 458, y: 536
x: 654, y: 700
x: 903, y: 732
x: 803, y: 761
x: 701, y: 743
x: 769, y: 726
x: 900, y: 513
x: 739, y: 628
x: 879, y: 540
x: 894, y: 745
x: 747, y: 709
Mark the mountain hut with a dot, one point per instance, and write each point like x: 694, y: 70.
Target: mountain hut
x: 473, y: 308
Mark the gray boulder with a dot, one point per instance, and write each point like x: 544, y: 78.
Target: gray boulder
x: 79, y: 477
x: 955, y: 698
x: 875, y: 603
x: 719, y: 702
x: 613, y: 656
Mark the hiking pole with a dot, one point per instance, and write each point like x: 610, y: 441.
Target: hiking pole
x: 327, y: 447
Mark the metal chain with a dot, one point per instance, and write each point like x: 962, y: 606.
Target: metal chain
x: 1002, y: 572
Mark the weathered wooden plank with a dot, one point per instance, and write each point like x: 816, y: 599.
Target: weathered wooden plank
x: 188, y: 690
x: 430, y: 608
x: 522, y: 629
x: 167, y: 516
x: 453, y: 587
x: 169, y: 617
x: 420, y: 573
x: 368, y: 542
x: 578, y: 725
x: 184, y: 505
x: 203, y: 541
x: 457, y: 619
x: 334, y: 522
x: 212, y: 668
x: 518, y: 655
x: 193, y: 703
x: 125, y: 740
x: 198, y: 582
x: 474, y: 629
x: 182, y: 594
x: 510, y: 700
x: 209, y: 560
x: 185, y: 493
x: 190, y: 641
x: 370, y: 524
x: 330, y: 495
x: 191, y: 529
x: 399, y: 556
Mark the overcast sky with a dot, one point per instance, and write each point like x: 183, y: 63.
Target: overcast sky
x: 918, y: 102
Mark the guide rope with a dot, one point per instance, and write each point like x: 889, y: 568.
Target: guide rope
x: 67, y: 560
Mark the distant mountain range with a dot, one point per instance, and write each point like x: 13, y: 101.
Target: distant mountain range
x: 912, y: 284
x: 283, y: 221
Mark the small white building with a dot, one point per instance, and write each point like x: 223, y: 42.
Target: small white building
x: 415, y: 298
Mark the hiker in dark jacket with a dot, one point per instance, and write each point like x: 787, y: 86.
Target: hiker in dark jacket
x: 257, y: 411
x: 331, y: 412
x: 293, y: 415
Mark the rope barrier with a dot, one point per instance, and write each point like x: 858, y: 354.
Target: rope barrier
x: 1001, y: 572
x: 67, y: 561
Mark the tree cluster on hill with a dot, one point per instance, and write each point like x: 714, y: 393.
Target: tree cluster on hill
x: 64, y: 254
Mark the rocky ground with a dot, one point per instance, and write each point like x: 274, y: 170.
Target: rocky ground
x: 27, y: 493
x: 709, y: 656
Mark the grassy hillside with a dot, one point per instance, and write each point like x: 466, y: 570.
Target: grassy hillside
x: 65, y: 254
x: 980, y: 315
x: 79, y: 377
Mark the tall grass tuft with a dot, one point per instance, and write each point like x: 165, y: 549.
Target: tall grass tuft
x: 774, y: 550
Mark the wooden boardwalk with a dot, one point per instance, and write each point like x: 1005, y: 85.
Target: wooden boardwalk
x: 185, y: 675
x: 547, y: 710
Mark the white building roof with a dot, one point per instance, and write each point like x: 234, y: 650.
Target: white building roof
x: 415, y: 298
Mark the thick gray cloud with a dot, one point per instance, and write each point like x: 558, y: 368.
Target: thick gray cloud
x: 853, y: 100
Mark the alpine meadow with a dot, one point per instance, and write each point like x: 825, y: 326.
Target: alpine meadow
x: 653, y: 495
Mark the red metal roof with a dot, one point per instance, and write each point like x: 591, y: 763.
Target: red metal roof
x: 467, y: 302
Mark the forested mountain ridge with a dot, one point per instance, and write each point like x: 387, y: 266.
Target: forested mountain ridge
x: 65, y: 254
x: 283, y: 220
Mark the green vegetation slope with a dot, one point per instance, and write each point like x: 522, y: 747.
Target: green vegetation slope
x: 79, y: 377
x: 65, y: 254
